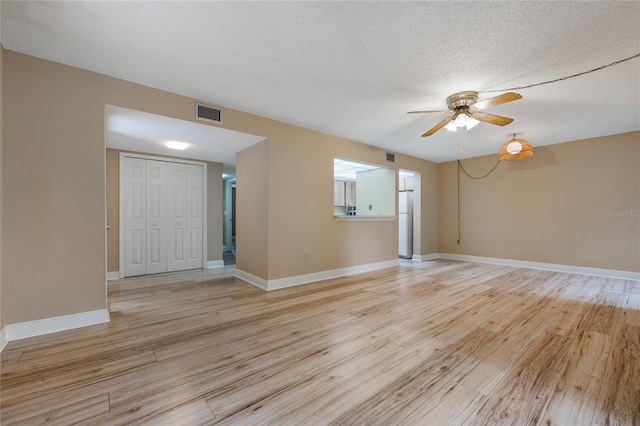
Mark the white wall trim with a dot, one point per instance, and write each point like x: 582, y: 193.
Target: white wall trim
x: 571, y: 269
x: 313, y: 277
x: 251, y: 279
x: 113, y: 275
x: 424, y: 257
x: 211, y: 264
x: 22, y: 330
x: 325, y: 275
x: 3, y: 338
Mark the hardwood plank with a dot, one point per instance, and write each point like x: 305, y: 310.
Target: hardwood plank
x: 631, y: 310
x: 267, y: 398
x: 10, y: 355
x: 193, y: 413
x: 604, y: 315
x: 619, y: 399
x: 576, y: 391
x: 18, y: 387
x: 336, y: 394
x: 426, y: 380
x: 519, y: 396
x: 515, y: 340
x: 451, y: 406
x: 437, y: 342
x: 78, y: 411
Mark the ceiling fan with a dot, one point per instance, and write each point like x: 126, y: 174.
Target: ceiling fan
x: 465, y: 108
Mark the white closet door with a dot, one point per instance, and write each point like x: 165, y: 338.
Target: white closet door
x: 195, y: 218
x: 156, y: 217
x: 134, y: 217
x: 176, y: 217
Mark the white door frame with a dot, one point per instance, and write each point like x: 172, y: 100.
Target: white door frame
x: 121, y: 201
x: 228, y: 213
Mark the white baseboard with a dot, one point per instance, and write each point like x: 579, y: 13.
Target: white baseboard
x: 211, y: 264
x: 316, y: 276
x: 571, y: 269
x: 3, y: 338
x: 251, y: 279
x: 113, y: 275
x: 22, y: 330
x: 424, y: 257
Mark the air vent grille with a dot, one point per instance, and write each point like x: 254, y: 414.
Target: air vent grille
x: 207, y: 113
x: 391, y: 157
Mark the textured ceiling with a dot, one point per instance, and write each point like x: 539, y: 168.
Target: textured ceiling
x: 354, y: 69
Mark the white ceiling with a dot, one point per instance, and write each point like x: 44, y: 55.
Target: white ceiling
x: 347, y: 170
x: 143, y: 132
x: 354, y: 69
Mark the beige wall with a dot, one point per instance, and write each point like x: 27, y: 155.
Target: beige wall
x: 1, y: 190
x: 560, y: 206
x: 214, y: 209
x: 53, y: 247
x: 300, y: 207
x: 252, y: 204
x: 113, y: 209
x: 54, y: 241
x: 54, y: 253
x: 427, y: 228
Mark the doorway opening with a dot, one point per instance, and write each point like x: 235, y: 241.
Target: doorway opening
x: 229, y: 252
x: 408, y: 214
x: 162, y: 218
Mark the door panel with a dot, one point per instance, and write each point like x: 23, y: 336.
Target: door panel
x: 156, y: 217
x: 134, y: 217
x: 163, y: 216
x: 195, y: 218
x: 177, y: 221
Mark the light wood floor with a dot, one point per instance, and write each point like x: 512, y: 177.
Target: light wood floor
x: 438, y: 342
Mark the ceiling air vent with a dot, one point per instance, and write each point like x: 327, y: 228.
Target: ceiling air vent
x: 207, y: 113
x: 391, y: 157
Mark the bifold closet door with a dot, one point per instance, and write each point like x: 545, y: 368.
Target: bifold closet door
x: 177, y: 217
x: 156, y: 220
x: 195, y: 216
x: 163, y: 216
x: 134, y: 258
x: 185, y: 219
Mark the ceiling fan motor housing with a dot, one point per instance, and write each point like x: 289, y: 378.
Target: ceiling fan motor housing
x: 462, y: 100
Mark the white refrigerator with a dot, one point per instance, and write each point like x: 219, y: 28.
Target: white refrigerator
x: 405, y: 223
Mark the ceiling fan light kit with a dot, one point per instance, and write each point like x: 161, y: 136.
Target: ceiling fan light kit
x: 461, y: 120
x: 515, y: 149
x: 466, y: 111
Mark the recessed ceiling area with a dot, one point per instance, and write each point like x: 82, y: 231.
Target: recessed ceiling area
x: 347, y: 170
x: 354, y: 69
x: 139, y: 131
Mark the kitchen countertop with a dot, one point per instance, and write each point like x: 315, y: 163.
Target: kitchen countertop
x: 363, y: 218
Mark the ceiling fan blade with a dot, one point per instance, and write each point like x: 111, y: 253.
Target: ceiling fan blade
x: 437, y: 127
x: 427, y: 112
x: 498, y: 100
x: 491, y: 118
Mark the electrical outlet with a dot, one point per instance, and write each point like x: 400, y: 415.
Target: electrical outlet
x: 305, y: 254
